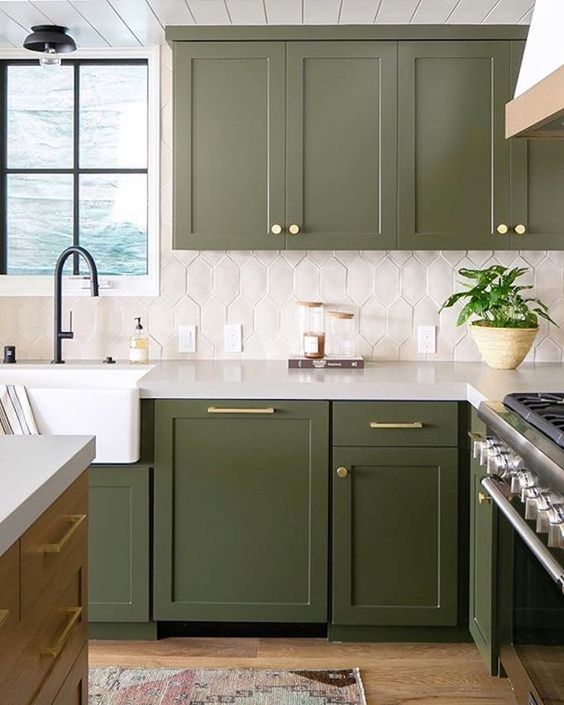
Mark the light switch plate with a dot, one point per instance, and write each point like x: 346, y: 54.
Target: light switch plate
x: 427, y: 339
x: 233, y: 338
x: 187, y: 339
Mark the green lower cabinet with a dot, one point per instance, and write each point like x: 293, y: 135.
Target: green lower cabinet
x: 241, y: 511
x: 481, y: 618
x: 395, y: 536
x: 119, y: 544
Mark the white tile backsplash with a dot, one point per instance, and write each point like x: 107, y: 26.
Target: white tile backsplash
x: 391, y: 293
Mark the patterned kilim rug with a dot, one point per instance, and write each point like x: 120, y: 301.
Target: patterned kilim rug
x: 163, y: 686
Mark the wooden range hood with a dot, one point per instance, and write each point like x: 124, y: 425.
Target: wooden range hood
x: 537, y: 110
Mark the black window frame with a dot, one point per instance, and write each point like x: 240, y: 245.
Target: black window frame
x: 76, y: 171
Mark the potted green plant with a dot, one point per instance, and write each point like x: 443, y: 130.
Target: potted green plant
x: 506, y: 323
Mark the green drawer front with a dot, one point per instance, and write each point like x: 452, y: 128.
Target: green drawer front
x: 411, y: 423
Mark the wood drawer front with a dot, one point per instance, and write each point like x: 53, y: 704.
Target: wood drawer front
x: 49, y: 639
x: 46, y: 545
x: 395, y: 423
x: 74, y: 690
x: 9, y: 592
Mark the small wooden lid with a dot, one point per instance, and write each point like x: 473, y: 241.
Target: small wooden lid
x: 340, y: 314
x: 310, y: 304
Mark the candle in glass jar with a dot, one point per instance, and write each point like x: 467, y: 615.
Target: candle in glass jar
x: 314, y: 345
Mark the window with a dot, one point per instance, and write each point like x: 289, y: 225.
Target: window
x: 75, y: 168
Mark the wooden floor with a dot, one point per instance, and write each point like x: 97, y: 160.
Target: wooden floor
x: 393, y: 674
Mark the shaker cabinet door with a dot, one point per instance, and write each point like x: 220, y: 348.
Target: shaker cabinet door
x: 395, y: 535
x: 229, y: 134
x: 341, y: 145
x: 453, y: 156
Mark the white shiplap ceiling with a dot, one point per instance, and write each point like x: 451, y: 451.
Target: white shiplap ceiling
x: 131, y: 23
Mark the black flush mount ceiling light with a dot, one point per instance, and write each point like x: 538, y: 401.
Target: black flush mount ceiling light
x: 51, y: 40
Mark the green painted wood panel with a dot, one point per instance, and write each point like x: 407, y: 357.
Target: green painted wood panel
x: 241, y: 512
x: 395, y: 537
x: 481, y: 618
x: 453, y: 156
x: 341, y: 145
x: 229, y: 138
x: 119, y: 544
x: 537, y: 185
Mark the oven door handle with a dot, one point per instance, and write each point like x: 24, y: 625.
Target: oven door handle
x: 495, y: 489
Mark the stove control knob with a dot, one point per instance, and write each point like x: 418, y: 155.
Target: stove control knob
x: 527, y: 480
x: 556, y: 525
x: 489, y: 445
x: 532, y: 496
x: 497, y: 462
x: 545, y: 502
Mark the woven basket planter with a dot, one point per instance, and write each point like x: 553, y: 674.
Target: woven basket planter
x: 503, y: 348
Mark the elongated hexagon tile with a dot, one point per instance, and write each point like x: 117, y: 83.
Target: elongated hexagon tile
x: 199, y: 280
x: 186, y: 312
x: 387, y: 282
x: 440, y: 280
x: 173, y: 280
x: 226, y: 280
x: 333, y: 281
x: 363, y: 347
x: 346, y: 257
x: 466, y: 350
x: 399, y: 257
x: 545, y: 276
x: 240, y: 310
x: 479, y: 257
x: 413, y: 280
x: 241, y: 256
x: 425, y: 313
x: 213, y: 319
x: 108, y: 318
x: 360, y: 280
x: 293, y: 257
x: 266, y: 256
x: 447, y: 325
x: 307, y: 280
x: 386, y: 349
x: 213, y: 256
x: 425, y: 256
x: 453, y: 257
x: 408, y: 349
x: 160, y: 320
x: 445, y: 350
x: 280, y: 280
x: 278, y: 348
x: 548, y: 351
x: 254, y: 348
x: 533, y: 257
x: 372, y: 321
x: 400, y: 320
x: 267, y: 320
x: 373, y: 257
x: 253, y: 280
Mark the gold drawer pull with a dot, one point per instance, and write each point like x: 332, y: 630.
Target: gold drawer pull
x: 75, y: 521
x: 74, y: 614
x: 4, y: 614
x: 234, y: 410
x: 412, y: 424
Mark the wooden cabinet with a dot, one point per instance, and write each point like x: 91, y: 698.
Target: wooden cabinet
x: 481, y: 619
x: 119, y: 543
x: 241, y: 511
x: 274, y: 155
x: 395, y: 520
x: 47, y: 636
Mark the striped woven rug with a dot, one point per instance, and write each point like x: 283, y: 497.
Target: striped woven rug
x: 161, y: 686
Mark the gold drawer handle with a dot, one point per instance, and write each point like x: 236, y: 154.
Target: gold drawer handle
x: 74, y: 614
x: 484, y: 498
x: 4, y: 614
x: 235, y: 410
x: 412, y: 424
x: 75, y: 521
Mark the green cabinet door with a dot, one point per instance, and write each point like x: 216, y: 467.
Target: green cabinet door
x: 241, y: 505
x: 119, y: 544
x: 229, y: 134
x: 395, y: 536
x: 537, y: 184
x: 453, y: 156
x: 482, y: 562
x: 341, y: 145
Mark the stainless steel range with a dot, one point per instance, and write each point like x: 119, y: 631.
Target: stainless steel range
x: 523, y: 459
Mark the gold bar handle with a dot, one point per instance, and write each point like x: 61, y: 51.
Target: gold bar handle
x: 4, y: 614
x: 75, y: 521
x: 74, y: 614
x: 411, y: 424
x: 235, y: 410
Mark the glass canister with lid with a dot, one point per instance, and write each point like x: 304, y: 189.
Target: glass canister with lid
x: 310, y: 329
x: 340, y: 334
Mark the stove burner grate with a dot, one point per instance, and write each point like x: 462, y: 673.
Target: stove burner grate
x: 544, y: 411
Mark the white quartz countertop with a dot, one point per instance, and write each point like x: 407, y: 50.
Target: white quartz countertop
x: 254, y: 379
x: 34, y: 471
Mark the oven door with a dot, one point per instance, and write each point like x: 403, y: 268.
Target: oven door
x: 530, y: 604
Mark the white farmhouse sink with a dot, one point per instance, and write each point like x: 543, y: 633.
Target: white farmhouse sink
x: 96, y: 400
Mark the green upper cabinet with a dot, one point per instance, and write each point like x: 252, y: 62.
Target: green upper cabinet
x: 341, y: 145
x: 453, y: 156
x: 241, y: 511
x: 229, y: 137
x: 537, y: 184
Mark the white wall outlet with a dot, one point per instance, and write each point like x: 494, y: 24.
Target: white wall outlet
x: 233, y: 338
x: 187, y: 339
x: 427, y: 339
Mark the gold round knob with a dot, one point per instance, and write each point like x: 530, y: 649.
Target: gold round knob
x: 342, y: 472
x: 294, y: 229
x: 483, y: 498
x: 502, y: 229
x: 520, y: 229
x: 276, y: 229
